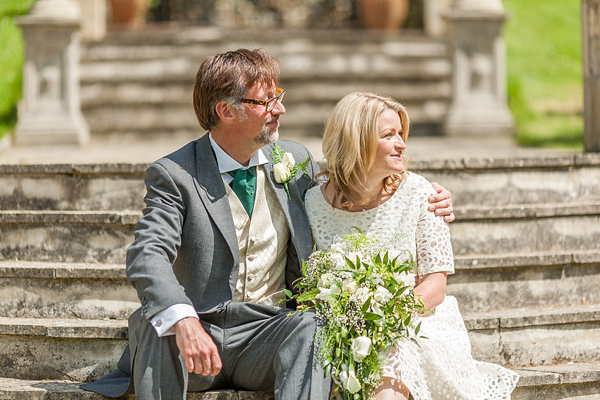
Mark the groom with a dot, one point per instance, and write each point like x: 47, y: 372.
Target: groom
x: 218, y: 243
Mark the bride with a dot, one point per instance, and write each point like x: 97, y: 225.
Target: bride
x: 366, y: 184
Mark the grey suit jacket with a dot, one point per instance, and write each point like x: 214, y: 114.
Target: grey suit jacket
x: 185, y: 249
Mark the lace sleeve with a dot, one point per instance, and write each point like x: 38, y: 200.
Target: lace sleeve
x: 434, y: 250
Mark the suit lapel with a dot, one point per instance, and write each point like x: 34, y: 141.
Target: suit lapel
x: 293, y: 210
x: 212, y: 192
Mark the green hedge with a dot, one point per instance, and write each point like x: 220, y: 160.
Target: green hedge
x: 545, y: 73
x: 11, y: 61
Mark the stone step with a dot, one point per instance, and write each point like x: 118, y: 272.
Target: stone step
x: 66, y: 236
x: 303, y: 120
x: 133, y: 84
x: 72, y: 187
x: 526, y: 228
x: 345, y: 66
x: 500, y: 282
x: 196, y: 42
x: 72, y: 349
x: 535, y: 336
x: 571, y: 381
x: 566, y: 382
x: 17, y: 389
x: 473, y: 181
x: 78, y: 349
x: 65, y: 290
x: 102, y: 236
x: 482, y: 181
x: 97, y: 291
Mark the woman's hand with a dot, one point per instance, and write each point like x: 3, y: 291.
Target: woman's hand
x: 441, y: 203
x: 431, y: 288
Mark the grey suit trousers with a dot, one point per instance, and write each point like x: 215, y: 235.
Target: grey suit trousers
x: 262, y: 349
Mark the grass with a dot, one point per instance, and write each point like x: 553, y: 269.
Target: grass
x: 545, y: 73
x: 11, y: 61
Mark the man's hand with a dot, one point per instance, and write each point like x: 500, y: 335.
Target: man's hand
x: 441, y: 203
x: 197, y: 348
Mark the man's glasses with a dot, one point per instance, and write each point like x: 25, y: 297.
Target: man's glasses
x: 269, y: 104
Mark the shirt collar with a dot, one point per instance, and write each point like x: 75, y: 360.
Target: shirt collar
x: 226, y: 163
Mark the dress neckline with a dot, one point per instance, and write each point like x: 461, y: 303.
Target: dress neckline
x: 374, y: 209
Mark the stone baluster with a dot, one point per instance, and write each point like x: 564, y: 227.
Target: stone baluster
x: 50, y: 111
x: 479, y: 104
x: 591, y: 78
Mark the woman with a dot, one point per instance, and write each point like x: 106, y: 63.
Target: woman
x: 367, y: 185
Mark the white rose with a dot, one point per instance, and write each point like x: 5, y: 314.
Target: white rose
x: 281, y: 172
x: 361, y: 347
x: 376, y: 279
x: 361, y: 295
x: 343, y: 378
x: 405, y: 280
x: 288, y: 160
x: 352, y: 383
x: 376, y: 309
x: 350, y: 286
x: 382, y: 295
x: 326, y: 281
x: 327, y: 294
x: 337, y: 248
x: 338, y: 260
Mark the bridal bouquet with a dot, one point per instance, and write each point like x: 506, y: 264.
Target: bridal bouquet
x: 367, y: 301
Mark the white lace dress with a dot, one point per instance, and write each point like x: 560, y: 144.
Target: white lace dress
x: 442, y: 367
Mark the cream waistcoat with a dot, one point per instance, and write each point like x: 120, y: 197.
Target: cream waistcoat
x: 262, y: 241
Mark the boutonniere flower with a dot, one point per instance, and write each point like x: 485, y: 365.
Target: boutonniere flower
x: 285, y: 167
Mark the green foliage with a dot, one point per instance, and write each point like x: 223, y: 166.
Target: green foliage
x: 11, y: 64
x: 544, y: 61
x: 365, y: 296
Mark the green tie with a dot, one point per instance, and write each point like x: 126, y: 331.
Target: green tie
x: 244, y: 186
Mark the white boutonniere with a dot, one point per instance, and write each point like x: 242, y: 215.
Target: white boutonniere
x: 285, y: 167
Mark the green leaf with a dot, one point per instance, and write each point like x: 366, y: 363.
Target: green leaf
x: 288, y: 293
x: 350, y: 263
x: 277, y: 153
x: 372, y: 316
x: 365, y: 306
x: 418, y: 328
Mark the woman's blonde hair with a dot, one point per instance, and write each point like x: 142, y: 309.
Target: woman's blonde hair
x: 350, y: 145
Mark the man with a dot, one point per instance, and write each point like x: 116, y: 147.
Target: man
x: 209, y: 261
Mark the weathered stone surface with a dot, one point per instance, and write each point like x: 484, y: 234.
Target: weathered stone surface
x: 536, y: 336
x: 516, y: 232
x: 18, y: 389
x: 36, y: 289
x: 517, y: 281
x: 517, y: 181
x: 317, y: 69
x: 72, y: 187
x: 66, y: 236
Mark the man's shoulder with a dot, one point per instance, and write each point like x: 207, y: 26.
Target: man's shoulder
x: 183, y: 158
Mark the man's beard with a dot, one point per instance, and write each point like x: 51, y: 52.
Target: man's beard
x: 265, y: 136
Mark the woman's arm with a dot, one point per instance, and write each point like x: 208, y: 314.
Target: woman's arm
x: 431, y: 288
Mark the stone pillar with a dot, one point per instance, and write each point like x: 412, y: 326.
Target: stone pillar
x: 479, y: 104
x: 433, y: 19
x: 93, y: 19
x: 50, y: 111
x: 591, y: 75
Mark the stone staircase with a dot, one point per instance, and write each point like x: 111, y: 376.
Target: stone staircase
x: 526, y: 243
x: 139, y: 84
